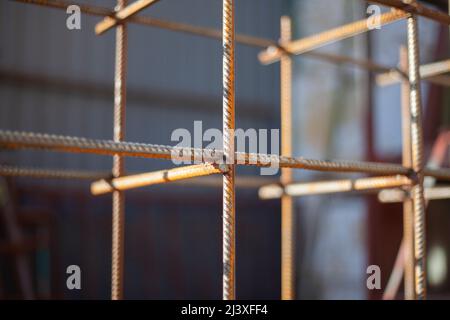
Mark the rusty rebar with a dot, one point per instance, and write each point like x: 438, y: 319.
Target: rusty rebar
x: 416, y: 8
x: 287, y: 214
x: 296, y: 47
x: 432, y: 72
x: 399, y: 195
x: 14, y: 171
x: 417, y: 157
x: 123, y: 14
x: 157, y: 177
x: 408, y: 215
x: 118, y: 202
x: 30, y: 140
x: 211, y: 33
x: 336, y: 186
x: 229, y: 219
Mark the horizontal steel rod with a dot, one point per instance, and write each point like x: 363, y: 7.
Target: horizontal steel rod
x: 155, y: 22
x: 104, y: 186
x: 28, y: 140
x: 296, y: 47
x: 122, y: 15
x: 416, y: 8
x: 13, y: 171
x: 336, y: 186
x: 211, y: 33
x: 244, y: 182
x: 399, y: 195
x: 427, y: 71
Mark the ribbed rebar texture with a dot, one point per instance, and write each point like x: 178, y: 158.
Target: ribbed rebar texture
x: 118, y: 203
x: 408, y: 215
x: 287, y: 215
x: 229, y: 226
x: 13, y: 171
x: 31, y: 140
x: 157, y: 177
x: 303, y: 45
x: 417, y: 158
x: 208, y: 33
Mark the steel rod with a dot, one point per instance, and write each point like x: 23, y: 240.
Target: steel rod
x: 210, y: 33
x: 417, y: 151
x: 229, y: 218
x: 287, y: 212
x: 414, y: 7
x: 118, y: 197
x: 27, y: 140
x: 398, y: 195
x: 428, y: 72
x: 14, y: 171
x: 436, y: 160
x: 244, y: 182
x: 123, y: 14
x: 296, y: 47
x: 336, y: 186
x: 158, y: 177
x: 408, y: 213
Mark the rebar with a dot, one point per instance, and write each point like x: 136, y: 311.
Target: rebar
x: 122, y: 15
x: 296, y: 47
x: 29, y: 140
x: 210, y: 33
x: 229, y: 219
x: 416, y: 8
x: 158, y: 177
x: 287, y: 214
x: 118, y: 202
x: 399, y: 195
x: 336, y: 186
x: 408, y: 216
x: 417, y: 157
x: 428, y: 72
x: 14, y: 171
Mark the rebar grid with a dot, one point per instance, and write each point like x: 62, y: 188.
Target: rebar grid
x: 243, y: 39
x: 211, y: 33
x: 118, y: 197
x: 315, y: 41
x: 118, y: 148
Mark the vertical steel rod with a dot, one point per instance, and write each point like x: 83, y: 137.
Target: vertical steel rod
x: 118, y: 203
x: 287, y: 216
x: 408, y: 217
x: 229, y: 226
x: 417, y: 147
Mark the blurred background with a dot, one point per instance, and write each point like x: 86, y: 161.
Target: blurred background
x: 60, y: 81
